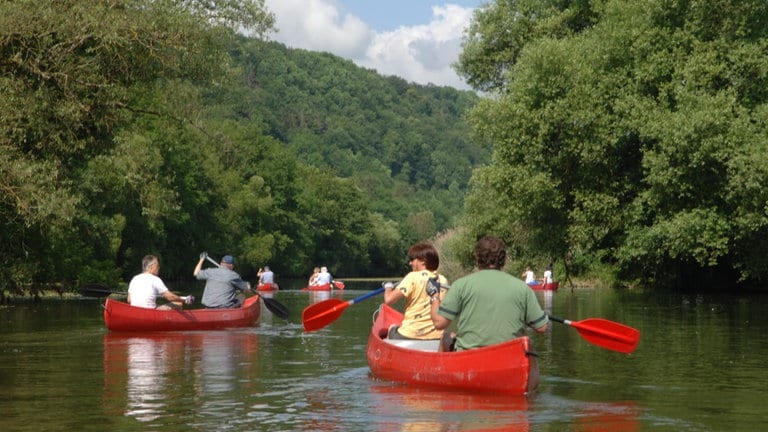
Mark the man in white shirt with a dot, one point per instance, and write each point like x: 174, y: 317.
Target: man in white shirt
x: 146, y: 286
x: 266, y: 276
x: 324, y: 277
x: 530, y: 277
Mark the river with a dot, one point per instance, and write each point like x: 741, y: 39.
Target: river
x: 699, y: 367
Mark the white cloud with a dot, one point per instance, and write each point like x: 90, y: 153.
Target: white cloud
x: 318, y: 25
x: 422, y: 53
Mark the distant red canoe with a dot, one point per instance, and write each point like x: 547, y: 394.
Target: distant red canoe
x: 267, y: 287
x: 121, y: 316
x: 508, y: 368
x: 324, y: 287
x: 552, y: 286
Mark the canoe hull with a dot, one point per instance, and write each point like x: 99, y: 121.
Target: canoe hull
x: 121, y: 316
x: 552, y: 286
x: 508, y: 368
x: 323, y: 287
x: 267, y: 287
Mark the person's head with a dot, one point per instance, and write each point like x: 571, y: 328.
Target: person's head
x: 316, y: 270
x: 150, y: 264
x: 323, y: 269
x: 266, y: 268
x: 228, y: 261
x: 490, y: 253
x: 426, y: 253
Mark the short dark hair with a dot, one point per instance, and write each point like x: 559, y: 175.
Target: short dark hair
x: 427, y: 253
x: 490, y: 252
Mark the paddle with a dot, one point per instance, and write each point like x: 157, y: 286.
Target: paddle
x: 96, y: 290
x: 319, y: 315
x: 274, y: 306
x: 338, y: 284
x: 605, y: 333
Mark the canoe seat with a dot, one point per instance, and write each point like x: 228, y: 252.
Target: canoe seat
x: 421, y: 345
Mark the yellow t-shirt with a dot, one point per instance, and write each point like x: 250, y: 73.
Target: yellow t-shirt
x: 417, y: 323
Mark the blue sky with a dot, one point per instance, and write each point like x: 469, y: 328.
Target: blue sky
x: 383, y: 15
x: 417, y: 40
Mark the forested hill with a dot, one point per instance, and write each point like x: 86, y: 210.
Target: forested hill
x: 408, y: 146
x: 136, y: 128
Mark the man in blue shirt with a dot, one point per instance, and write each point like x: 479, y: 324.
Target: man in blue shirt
x: 223, y: 285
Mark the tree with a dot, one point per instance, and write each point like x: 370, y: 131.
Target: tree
x: 75, y: 78
x: 631, y: 141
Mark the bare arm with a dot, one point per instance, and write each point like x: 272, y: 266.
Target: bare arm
x: 391, y: 296
x: 438, y: 320
x: 171, y: 297
x: 198, y: 267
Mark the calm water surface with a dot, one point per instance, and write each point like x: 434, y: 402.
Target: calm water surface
x: 699, y: 367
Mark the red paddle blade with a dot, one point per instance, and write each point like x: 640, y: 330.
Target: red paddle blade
x: 338, y: 284
x: 608, y: 334
x: 319, y: 315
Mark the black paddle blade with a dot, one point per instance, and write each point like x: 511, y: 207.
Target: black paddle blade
x: 97, y: 290
x: 277, y: 308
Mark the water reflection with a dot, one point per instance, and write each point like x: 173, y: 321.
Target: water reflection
x: 546, y: 299
x: 318, y: 296
x: 143, y: 373
x: 608, y: 417
x: 698, y: 368
x: 419, y: 409
x: 147, y: 367
x: 549, y: 296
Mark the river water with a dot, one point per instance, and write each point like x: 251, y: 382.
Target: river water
x: 699, y: 367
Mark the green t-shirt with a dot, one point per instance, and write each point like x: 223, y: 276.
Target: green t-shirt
x: 492, y: 307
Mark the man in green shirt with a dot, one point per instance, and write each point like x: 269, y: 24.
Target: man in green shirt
x: 491, y: 305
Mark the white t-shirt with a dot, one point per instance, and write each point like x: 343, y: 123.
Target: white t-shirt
x: 144, y: 288
x: 530, y: 277
x: 267, y: 277
x: 323, y: 278
x: 547, y: 276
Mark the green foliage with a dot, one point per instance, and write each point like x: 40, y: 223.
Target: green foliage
x: 502, y: 29
x: 402, y: 143
x: 634, y: 139
x: 139, y: 127
x: 79, y: 175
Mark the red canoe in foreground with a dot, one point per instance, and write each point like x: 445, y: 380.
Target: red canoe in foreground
x: 552, y: 286
x: 120, y: 316
x: 508, y: 368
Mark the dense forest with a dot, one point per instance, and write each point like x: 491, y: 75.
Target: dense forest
x: 623, y: 141
x: 629, y: 137
x: 135, y: 127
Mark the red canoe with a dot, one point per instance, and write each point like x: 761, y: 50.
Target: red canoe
x: 267, y: 287
x: 508, y: 368
x: 120, y: 316
x: 324, y: 287
x: 552, y: 286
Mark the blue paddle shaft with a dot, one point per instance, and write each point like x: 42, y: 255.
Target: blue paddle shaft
x: 366, y: 296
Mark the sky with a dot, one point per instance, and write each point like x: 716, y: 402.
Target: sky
x: 417, y: 40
